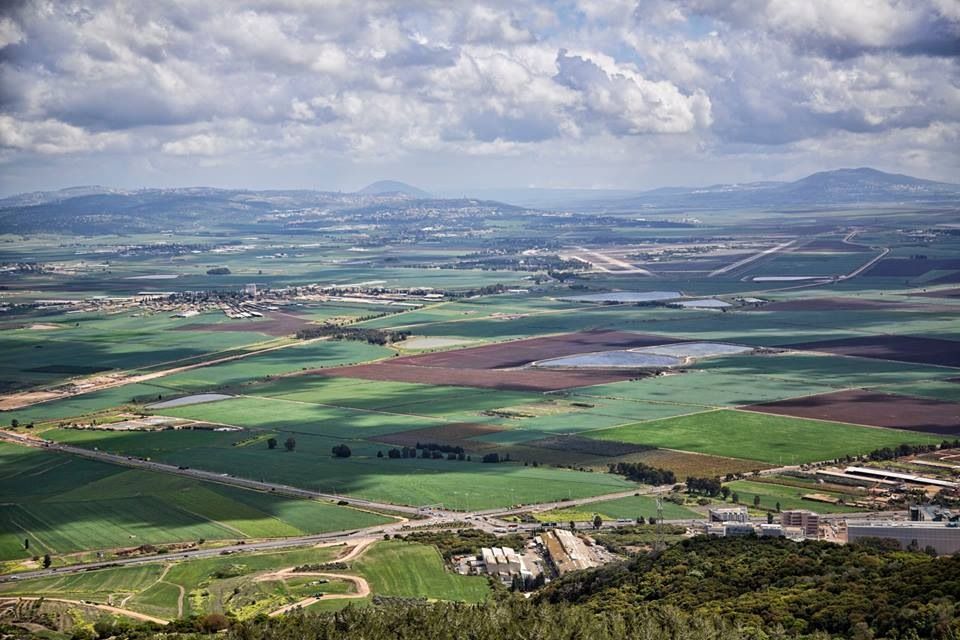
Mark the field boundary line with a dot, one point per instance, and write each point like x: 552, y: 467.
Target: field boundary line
x: 226, y: 526
x: 627, y: 424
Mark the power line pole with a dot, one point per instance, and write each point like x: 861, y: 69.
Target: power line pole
x: 659, y: 544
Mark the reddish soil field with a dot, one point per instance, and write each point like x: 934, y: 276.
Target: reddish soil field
x: 280, y: 324
x: 517, y: 380
x: 873, y: 409
x: 838, y: 304
x: 900, y: 348
x: 457, y: 434
x: 517, y: 353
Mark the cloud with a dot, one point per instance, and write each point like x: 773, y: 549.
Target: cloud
x: 323, y: 85
x: 626, y: 103
x: 846, y: 28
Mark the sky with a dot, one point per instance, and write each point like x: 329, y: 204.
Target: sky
x: 451, y: 95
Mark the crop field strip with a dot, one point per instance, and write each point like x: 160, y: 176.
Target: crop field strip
x: 912, y: 349
x: 873, y: 409
x: 82, y: 504
x: 767, y: 438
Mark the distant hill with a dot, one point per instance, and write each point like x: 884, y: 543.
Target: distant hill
x: 826, y: 188
x: 393, y: 187
x: 98, y: 210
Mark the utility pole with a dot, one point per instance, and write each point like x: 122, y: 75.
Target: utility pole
x: 659, y: 544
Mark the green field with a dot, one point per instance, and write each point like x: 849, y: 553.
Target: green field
x: 628, y: 508
x: 390, y: 397
x: 237, y: 584
x: 789, y: 497
x: 313, y: 355
x: 705, y: 389
x: 398, y: 568
x: 762, y: 437
x: 64, y: 504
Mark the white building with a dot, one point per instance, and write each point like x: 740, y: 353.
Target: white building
x: 729, y: 514
x: 940, y: 535
x: 807, y: 521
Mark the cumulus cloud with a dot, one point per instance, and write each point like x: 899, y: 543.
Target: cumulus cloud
x: 254, y: 83
x: 846, y: 28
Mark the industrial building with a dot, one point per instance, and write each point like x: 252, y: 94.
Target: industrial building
x: 567, y: 552
x: 503, y: 563
x: 733, y: 529
x: 907, y: 478
x: 933, y: 513
x: 729, y: 514
x: 808, y: 522
x: 944, y: 537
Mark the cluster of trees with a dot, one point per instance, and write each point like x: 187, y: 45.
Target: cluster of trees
x: 218, y: 271
x: 704, y: 486
x: 486, y: 290
x: 290, y: 444
x: 640, y: 472
x: 436, y: 446
x: 359, y: 334
x: 498, y: 262
x: 888, y: 453
x: 425, y: 453
x: 495, y: 458
x: 464, y: 541
x: 341, y: 451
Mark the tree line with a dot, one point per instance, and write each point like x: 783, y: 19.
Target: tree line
x: 358, y: 334
x: 640, y: 472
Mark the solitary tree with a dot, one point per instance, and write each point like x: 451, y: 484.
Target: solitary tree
x: 756, y: 501
x: 341, y: 451
x: 272, y: 443
x: 778, y: 507
x: 573, y: 526
x: 14, y: 423
x: 26, y: 543
x: 290, y: 444
x: 725, y: 492
x: 769, y: 518
x: 597, y: 521
x: 47, y: 561
x: 735, y: 497
x: 379, y: 454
